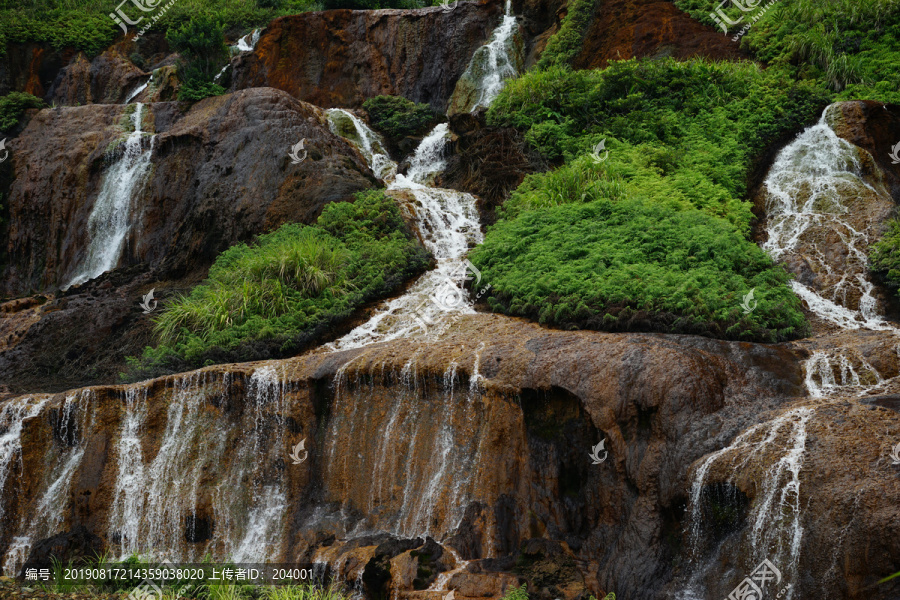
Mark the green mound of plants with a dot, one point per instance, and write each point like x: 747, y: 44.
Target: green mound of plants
x: 201, y: 44
x: 884, y: 255
x: 852, y: 45
x: 86, y: 25
x: 657, y: 158
x: 397, y: 117
x: 636, y: 265
x: 13, y: 106
x: 281, y: 293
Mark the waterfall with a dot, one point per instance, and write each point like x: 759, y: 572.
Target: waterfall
x: 136, y: 92
x: 813, y: 189
x: 421, y: 470
x: 46, y: 514
x: 446, y: 219
x: 775, y: 530
x: 110, y: 219
x: 248, y: 42
x: 493, y: 63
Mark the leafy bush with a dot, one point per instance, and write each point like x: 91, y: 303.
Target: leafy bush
x: 638, y: 266
x: 852, y: 45
x: 884, y: 255
x: 13, y: 105
x: 194, y: 90
x: 685, y: 130
x: 398, y: 117
x: 85, y: 24
x: 201, y: 44
x: 566, y: 44
x: 280, y: 293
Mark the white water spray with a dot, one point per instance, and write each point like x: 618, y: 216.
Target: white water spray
x: 110, y: 219
x: 448, y: 223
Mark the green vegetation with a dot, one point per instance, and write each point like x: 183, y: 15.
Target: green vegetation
x: 521, y: 593
x: 884, y: 255
x: 654, y: 234
x: 86, y: 25
x: 14, y: 105
x: 397, y: 117
x: 201, y: 44
x: 636, y: 265
x: 852, y: 45
x: 286, y: 289
x: 566, y: 44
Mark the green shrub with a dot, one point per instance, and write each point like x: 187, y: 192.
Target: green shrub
x: 852, y: 45
x: 884, y: 255
x: 14, y: 105
x: 282, y: 292
x: 565, y: 45
x: 201, y: 43
x: 634, y: 265
x: 398, y: 117
x: 194, y: 90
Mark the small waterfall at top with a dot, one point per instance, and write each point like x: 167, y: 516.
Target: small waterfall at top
x: 493, y: 63
x: 110, y: 219
x: 447, y: 221
x: 247, y: 43
x: 137, y: 91
x: 815, y: 189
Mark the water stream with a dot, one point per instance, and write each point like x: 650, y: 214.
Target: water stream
x: 111, y: 217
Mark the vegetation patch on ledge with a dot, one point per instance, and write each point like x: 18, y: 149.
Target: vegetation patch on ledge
x: 643, y: 225
x: 282, y: 293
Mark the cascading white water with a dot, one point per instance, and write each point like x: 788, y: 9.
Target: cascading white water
x: 248, y: 42
x: 136, y: 92
x: 110, y: 219
x: 12, y: 416
x: 812, y: 187
x: 775, y: 531
x: 448, y: 223
x: 46, y: 516
x: 490, y: 66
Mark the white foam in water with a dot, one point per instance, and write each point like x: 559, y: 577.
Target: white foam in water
x: 110, y: 219
x: 47, y: 515
x: 248, y: 42
x: 449, y: 226
x: 493, y: 63
x: 134, y: 94
x: 809, y: 185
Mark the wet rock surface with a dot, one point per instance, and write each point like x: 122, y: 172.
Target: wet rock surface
x: 339, y: 58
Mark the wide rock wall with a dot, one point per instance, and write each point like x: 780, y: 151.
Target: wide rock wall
x: 339, y: 58
x: 220, y: 174
x: 483, y: 447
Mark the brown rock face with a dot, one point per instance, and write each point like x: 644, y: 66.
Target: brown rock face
x: 484, y: 446
x: 339, y: 58
x: 107, y: 79
x: 624, y: 29
x: 31, y: 68
x: 874, y: 127
x: 219, y: 174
